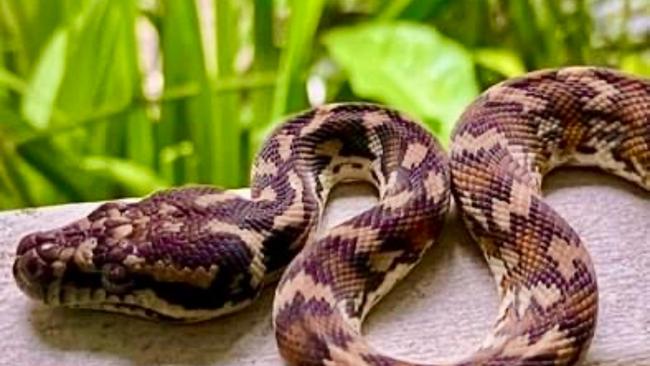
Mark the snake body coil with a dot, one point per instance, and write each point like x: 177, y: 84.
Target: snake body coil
x: 198, y: 252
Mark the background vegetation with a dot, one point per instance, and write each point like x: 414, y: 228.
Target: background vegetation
x: 102, y: 99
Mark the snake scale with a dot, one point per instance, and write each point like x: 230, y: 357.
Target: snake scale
x: 198, y: 252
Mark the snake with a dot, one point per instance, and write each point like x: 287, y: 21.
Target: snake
x: 197, y: 252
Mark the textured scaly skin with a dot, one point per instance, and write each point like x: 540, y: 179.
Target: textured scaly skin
x: 194, y: 253
x: 503, y: 145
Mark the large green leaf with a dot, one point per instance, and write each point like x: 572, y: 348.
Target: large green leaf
x: 39, y: 99
x: 409, y: 66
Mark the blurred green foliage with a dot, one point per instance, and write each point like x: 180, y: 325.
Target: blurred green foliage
x: 112, y: 98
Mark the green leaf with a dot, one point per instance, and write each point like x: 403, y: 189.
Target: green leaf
x: 59, y: 168
x: 636, y: 64
x: 190, y: 118
x: 39, y: 100
x: 290, y: 92
x: 226, y: 127
x: 12, y: 81
x: 503, y: 61
x: 134, y: 178
x: 409, y: 66
x: 99, y: 77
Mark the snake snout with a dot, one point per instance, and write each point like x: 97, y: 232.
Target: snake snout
x: 32, y: 273
x: 33, y: 240
x: 38, y: 263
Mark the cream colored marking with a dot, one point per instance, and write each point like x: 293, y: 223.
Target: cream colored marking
x: 265, y: 167
x: 305, y: 285
x: 345, y: 357
x: 58, y: 268
x: 268, y: 194
x: 638, y: 178
x: 603, y: 101
x: 133, y: 262
x: 573, y: 71
x: 214, y: 198
x: 506, y: 94
x: 434, y: 185
x: 66, y: 254
x: 501, y: 214
x: 519, y: 204
x: 472, y: 144
x: 121, y: 231
x: 546, y: 295
x: 373, y: 119
x: 414, y: 155
x: 376, y: 166
x: 83, y: 224
x: 550, y: 341
x: 98, y: 224
x: 546, y: 125
x: 493, y: 340
x: 320, y: 117
x: 165, y: 208
x: 605, y: 160
x: 525, y: 298
x: 396, y: 201
x: 565, y: 253
x: 165, y: 272
x: 498, y: 269
x: 83, y: 255
x: 284, y: 145
x: 114, y: 213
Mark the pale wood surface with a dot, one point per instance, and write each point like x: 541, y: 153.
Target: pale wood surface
x: 442, y: 310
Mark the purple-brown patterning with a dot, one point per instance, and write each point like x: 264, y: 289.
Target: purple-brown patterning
x: 195, y: 253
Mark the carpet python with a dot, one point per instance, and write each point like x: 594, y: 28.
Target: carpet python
x: 197, y: 252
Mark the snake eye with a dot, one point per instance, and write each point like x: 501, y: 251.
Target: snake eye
x: 116, y: 279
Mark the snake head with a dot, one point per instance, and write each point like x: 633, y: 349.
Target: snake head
x: 82, y: 259
x: 163, y: 257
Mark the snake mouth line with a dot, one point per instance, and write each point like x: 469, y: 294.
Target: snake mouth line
x: 70, y: 296
x: 140, y: 303
x: 129, y: 309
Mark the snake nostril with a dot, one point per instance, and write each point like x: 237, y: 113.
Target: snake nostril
x: 30, y: 241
